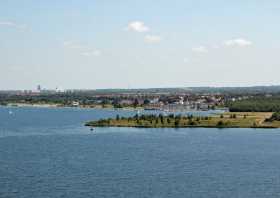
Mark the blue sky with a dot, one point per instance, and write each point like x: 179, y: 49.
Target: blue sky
x: 138, y: 44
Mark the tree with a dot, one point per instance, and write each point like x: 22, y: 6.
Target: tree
x: 256, y: 104
x: 162, y: 120
x: 136, y: 102
x: 275, y: 117
x: 168, y: 120
x: 171, y: 116
x: 191, y: 122
x: 176, y: 123
x: 146, y: 102
x: 220, y: 124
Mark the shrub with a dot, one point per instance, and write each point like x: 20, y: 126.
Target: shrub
x: 220, y: 124
x: 275, y: 117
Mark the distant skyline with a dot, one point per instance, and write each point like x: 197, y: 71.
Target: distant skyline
x: 91, y: 44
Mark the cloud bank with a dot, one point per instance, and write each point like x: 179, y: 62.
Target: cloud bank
x: 137, y: 26
x: 152, y: 39
x: 81, y: 49
x: 200, y: 49
x: 12, y: 25
x: 239, y: 42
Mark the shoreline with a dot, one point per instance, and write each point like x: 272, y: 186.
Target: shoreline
x: 65, y: 106
x: 106, y: 107
x: 185, y: 127
x: 225, y: 120
x: 252, y: 120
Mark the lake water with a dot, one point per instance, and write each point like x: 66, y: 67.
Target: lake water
x: 48, y: 152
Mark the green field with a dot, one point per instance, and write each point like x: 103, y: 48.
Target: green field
x: 226, y: 120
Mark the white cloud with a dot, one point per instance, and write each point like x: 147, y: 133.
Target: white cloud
x: 7, y: 23
x: 81, y: 49
x: 91, y: 53
x: 12, y: 24
x: 239, y: 42
x: 74, y: 45
x: 152, y: 39
x: 68, y: 44
x: 200, y: 49
x: 137, y: 26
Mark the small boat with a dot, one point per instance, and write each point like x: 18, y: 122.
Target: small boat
x: 10, y: 112
x: 91, y: 129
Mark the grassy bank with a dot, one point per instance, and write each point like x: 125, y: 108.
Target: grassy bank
x: 226, y: 120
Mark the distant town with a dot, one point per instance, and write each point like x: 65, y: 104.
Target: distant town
x: 165, y: 99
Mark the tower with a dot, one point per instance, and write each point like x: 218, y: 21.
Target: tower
x: 39, y: 88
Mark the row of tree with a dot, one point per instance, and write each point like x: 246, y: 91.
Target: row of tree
x: 257, y: 104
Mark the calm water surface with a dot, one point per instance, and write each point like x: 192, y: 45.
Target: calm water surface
x: 49, y: 153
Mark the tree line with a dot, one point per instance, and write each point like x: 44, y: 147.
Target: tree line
x: 257, y: 104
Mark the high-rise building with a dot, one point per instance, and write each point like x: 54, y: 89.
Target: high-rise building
x: 39, y: 88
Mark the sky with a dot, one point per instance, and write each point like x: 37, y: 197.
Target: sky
x: 91, y: 44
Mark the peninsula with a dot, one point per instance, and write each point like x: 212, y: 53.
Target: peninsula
x: 225, y: 120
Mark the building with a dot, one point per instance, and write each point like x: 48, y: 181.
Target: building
x: 75, y: 104
x: 39, y: 88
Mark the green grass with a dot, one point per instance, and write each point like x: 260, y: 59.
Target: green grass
x: 227, y: 120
